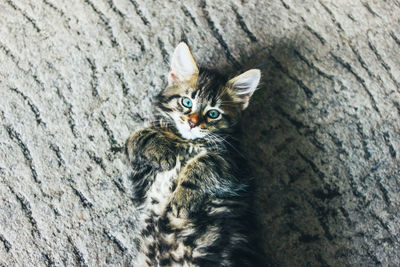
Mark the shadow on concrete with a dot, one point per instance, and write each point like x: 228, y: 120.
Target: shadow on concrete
x: 292, y: 199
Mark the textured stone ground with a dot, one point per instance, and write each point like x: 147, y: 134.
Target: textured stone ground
x: 322, y: 133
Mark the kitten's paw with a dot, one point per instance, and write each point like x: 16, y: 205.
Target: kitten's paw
x: 148, y: 147
x: 179, y: 211
x: 168, y: 161
x: 183, y: 204
x: 161, y: 156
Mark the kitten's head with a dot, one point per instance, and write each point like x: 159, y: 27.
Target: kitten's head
x: 201, y: 103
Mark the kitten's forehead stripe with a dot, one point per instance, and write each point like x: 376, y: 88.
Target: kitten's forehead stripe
x: 213, y: 101
x: 210, y: 82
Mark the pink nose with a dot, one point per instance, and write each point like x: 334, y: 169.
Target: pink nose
x: 192, y: 124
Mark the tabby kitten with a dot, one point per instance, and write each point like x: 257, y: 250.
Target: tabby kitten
x: 190, y: 208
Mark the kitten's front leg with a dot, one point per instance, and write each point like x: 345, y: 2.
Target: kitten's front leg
x: 151, y: 147
x: 186, y: 199
x: 202, y: 175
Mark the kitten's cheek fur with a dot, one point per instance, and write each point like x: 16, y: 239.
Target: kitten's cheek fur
x: 185, y: 130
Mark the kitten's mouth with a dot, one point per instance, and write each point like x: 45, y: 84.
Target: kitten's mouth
x: 188, y: 131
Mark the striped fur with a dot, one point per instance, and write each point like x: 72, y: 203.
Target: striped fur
x: 189, y: 196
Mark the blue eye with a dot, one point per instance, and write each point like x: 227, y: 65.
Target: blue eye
x: 186, y: 102
x: 213, y: 113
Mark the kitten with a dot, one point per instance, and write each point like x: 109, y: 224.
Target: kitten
x: 190, y: 205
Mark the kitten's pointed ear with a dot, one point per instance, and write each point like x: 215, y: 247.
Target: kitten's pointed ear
x: 183, y: 66
x: 245, y: 84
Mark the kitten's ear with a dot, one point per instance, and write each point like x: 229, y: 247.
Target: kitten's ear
x: 245, y: 84
x: 183, y: 66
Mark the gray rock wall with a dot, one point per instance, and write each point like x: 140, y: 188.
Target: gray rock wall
x: 322, y: 133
